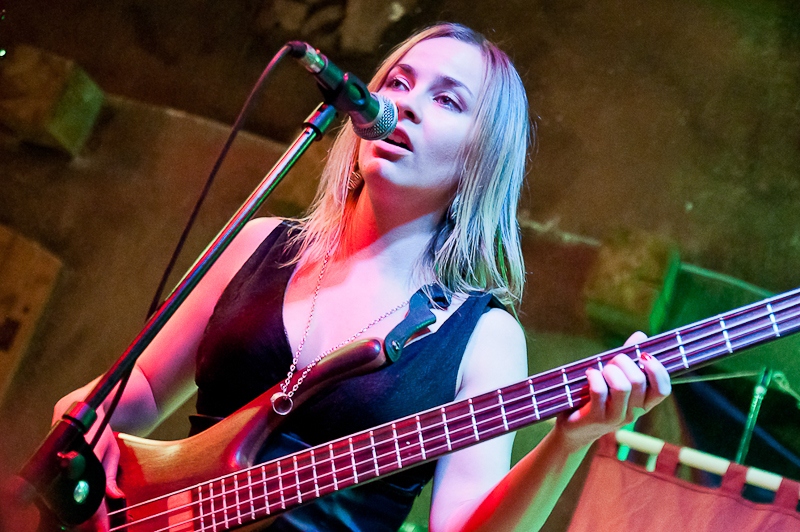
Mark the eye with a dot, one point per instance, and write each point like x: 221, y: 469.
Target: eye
x: 447, y: 101
x: 396, y: 83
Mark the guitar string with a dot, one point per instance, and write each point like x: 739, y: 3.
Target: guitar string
x: 253, y: 510
x: 260, y: 509
x: 589, y: 362
x: 508, y: 404
x: 227, y: 493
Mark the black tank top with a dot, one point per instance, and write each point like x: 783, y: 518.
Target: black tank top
x: 244, y: 352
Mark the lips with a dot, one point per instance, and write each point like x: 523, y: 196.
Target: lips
x: 400, y: 139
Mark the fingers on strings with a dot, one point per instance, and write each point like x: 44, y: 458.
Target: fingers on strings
x: 623, y: 390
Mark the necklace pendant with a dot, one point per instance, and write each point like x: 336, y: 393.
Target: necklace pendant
x: 281, y: 403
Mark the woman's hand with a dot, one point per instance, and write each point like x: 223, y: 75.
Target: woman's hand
x: 619, y: 394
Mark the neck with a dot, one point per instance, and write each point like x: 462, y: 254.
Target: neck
x: 396, y: 236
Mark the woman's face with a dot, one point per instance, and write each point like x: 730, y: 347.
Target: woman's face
x: 435, y: 87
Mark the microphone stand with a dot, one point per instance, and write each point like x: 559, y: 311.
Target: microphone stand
x: 64, y: 471
x: 759, y: 391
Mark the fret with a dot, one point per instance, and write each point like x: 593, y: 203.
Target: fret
x: 682, y: 349
x: 314, y: 472
x: 343, y: 463
x: 211, y: 498
x: 446, y: 430
x: 273, y: 488
x: 725, y: 334
x: 566, y: 386
x: 374, y: 453
x: 226, y: 504
x: 324, y: 479
x: 201, y: 514
x: 460, y: 424
x: 297, y: 480
x: 333, y: 468
x: 502, y: 409
x: 315, y: 476
x: 774, y: 322
x: 280, y: 486
x: 250, y: 494
x: 304, y: 476
x: 474, y: 421
x: 266, y: 491
x: 397, y: 446
x: 599, y: 363
x: 224, y: 509
x: 696, y: 333
x: 533, y: 399
x: 236, y: 493
x: 421, y: 442
x: 353, y: 460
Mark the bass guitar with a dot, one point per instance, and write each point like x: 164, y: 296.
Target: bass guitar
x: 209, y: 481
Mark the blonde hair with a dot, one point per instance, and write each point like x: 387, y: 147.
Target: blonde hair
x: 477, y: 244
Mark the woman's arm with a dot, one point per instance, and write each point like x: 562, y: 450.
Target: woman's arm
x: 474, y: 488
x: 163, y: 377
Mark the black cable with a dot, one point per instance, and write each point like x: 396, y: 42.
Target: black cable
x: 156, y: 302
x: 237, y: 125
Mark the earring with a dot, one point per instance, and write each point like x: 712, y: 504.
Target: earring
x: 354, y: 181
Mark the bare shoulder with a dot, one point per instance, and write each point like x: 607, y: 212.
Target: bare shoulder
x: 495, y: 357
x: 254, y: 232
x: 242, y: 247
x: 496, y: 354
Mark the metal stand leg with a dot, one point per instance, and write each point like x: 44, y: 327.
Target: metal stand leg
x: 759, y: 392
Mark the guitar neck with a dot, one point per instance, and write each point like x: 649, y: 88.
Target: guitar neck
x: 269, y: 489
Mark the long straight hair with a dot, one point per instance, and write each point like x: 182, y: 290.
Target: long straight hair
x: 476, y: 246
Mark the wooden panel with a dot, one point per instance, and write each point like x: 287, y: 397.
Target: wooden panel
x: 28, y: 274
x: 48, y: 100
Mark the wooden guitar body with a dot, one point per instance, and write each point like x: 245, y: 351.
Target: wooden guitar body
x: 152, y: 470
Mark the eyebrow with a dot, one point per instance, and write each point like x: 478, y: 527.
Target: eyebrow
x: 449, y: 81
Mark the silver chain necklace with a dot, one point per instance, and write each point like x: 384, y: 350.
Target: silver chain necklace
x: 282, y: 402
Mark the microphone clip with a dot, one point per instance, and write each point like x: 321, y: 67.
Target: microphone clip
x: 340, y: 89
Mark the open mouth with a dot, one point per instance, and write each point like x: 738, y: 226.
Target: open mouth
x: 398, y: 138
x: 396, y: 143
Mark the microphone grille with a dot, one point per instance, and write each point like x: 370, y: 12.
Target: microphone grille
x: 384, y: 123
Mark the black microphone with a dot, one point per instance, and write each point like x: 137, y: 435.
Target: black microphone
x: 374, y: 116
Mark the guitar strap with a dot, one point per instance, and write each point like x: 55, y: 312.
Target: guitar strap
x: 418, y: 318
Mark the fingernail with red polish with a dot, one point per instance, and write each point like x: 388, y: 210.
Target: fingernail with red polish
x: 645, y: 356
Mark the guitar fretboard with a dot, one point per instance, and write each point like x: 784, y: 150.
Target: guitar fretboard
x: 269, y: 489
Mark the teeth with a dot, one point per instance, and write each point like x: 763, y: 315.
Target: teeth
x: 396, y: 143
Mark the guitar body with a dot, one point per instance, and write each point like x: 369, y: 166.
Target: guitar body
x: 149, y: 471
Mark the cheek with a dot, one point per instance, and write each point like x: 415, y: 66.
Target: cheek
x: 447, y: 146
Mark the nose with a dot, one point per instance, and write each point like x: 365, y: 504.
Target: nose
x: 407, y: 107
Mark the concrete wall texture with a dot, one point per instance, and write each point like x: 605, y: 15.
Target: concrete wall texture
x: 677, y: 117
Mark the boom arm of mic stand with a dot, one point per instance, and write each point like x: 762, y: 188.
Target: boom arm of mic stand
x: 64, y: 470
